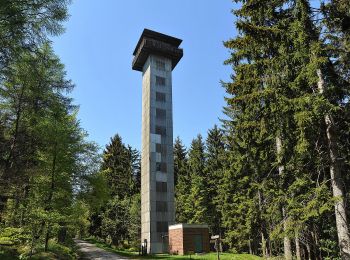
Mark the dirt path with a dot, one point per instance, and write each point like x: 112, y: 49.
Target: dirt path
x: 90, y: 251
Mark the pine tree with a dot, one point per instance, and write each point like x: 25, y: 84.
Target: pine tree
x: 334, y: 85
x: 183, y: 181
x: 333, y: 89
x: 135, y: 171
x: 197, y: 201
x: 180, y: 160
x: 214, y: 171
x: 117, y: 221
x: 259, y: 105
x: 275, y: 88
x: 116, y: 167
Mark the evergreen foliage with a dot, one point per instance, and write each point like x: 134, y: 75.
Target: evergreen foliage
x: 183, y: 181
x: 214, y: 172
x: 272, y: 181
x: 283, y: 131
x: 117, y: 219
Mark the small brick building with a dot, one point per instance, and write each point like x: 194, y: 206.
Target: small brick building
x: 185, y: 238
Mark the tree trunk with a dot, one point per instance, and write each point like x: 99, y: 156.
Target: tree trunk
x: 314, y: 233
x: 47, y: 237
x: 49, y: 199
x: 308, y: 250
x: 297, y: 246
x: 53, y: 173
x: 286, y: 241
x: 8, y: 161
x: 250, y: 246
x: 270, y: 248
x: 263, y: 240
x: 62, y: 234
x: 336, y: 179
x: 263, y: 246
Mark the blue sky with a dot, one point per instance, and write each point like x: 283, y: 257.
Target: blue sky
x: 97, y: 51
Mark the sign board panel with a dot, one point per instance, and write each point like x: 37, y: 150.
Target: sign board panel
x: 215, y: 237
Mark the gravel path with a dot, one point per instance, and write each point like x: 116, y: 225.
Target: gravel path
x: 90, y: 251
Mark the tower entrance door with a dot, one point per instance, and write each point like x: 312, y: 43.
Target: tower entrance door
x: 198, y: 243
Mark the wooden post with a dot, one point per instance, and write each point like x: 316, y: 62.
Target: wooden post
x: 217, y: 245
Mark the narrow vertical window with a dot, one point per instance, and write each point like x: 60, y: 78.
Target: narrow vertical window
x: 160, y: 65
x: 161, y: 206
x: 160, y: 97
x: 161, y: 167
x: 161, y: 149
x: 162, y: 226
x: 160, y: 113
x: 161, y: 186
x: 160, y: 81
x: 160, y: 130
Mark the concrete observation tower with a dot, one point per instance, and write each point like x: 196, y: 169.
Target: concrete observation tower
x: 156, y: 55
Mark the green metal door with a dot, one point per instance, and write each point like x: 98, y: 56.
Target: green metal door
x: 198, y: 244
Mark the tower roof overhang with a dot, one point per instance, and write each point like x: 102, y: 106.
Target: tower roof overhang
x: 152, y: 42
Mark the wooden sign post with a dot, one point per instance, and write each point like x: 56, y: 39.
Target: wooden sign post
x: 217, y: 244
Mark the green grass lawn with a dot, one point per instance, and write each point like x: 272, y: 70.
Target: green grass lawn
x: 210, y: 256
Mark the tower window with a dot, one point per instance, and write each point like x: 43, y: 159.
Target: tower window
x: 161, y: 167
x: 161, y: 186
x: 160, y: 81
x: 160, y: 65
x: 161, y: 206
x: 160, y: 113
x: 160, y: 130
x: 160, y: 97
x: 162, y: 226
x: 161, y: 149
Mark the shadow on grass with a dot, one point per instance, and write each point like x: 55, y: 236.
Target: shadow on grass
x: 134, y: 255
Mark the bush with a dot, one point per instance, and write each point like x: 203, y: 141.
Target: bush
x: 55, y: 251
x: 7, y: 253
x: 12, y: 236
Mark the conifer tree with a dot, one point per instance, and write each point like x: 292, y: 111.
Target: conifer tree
x: 197, y: 202
x: 182, y: 180
x: 259, y: 105
x: 180, y: 160
x: 274, y: 88
x: 121, y: 169
x: 215, y: 160
x: 116, y: 167
x: 330, y: 77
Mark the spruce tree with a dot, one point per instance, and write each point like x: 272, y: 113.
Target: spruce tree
x: 180, y: 160
x: 183, y: 181
x: 197, y: 201
x: 116, y: 167
x: 215, y: 161
x: 117, y: 221
x: 330, y: 76
x: 258, y: 105
x: 275, y: 95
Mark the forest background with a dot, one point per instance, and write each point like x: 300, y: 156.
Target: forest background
x: 271, y: 179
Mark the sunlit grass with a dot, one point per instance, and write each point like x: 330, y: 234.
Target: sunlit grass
x: 210, y: 256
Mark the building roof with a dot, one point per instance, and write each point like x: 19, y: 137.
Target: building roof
x: 185, y: 225
x: 156, y: 43
x: 159, y: 37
